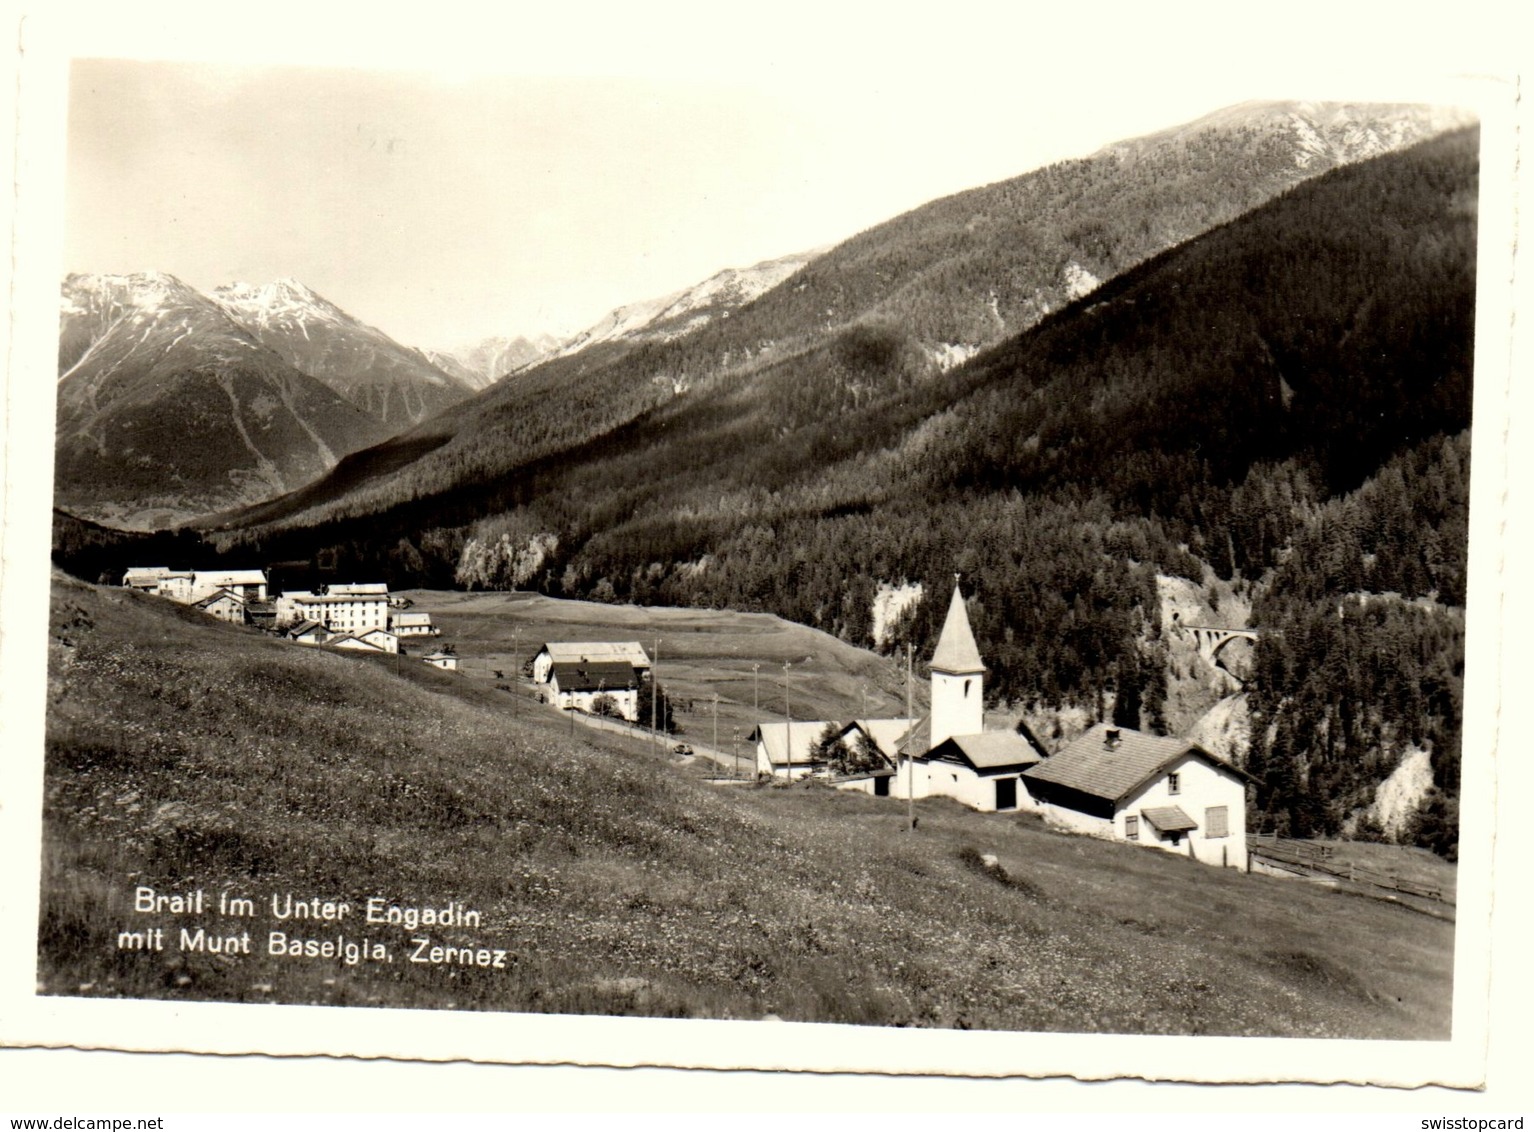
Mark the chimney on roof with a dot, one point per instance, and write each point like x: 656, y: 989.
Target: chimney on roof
x: 1111, y: 738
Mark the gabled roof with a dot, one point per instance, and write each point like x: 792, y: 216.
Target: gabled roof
x: 374, y: 631
x: 564, y: 651
x: 440, y: 655
x: 359, y: 589
x: 412, y: 618
x: 887, y: 733
x: 304, y: 628
x: 351, y: 640
x: 230, y: 577
x: 956, y: 653
x: 989, y: 750
x: 214, y: 598
x: 917, y: 739
x: 775, y: 737
x: 609, y: 675
x: 1113, y: 772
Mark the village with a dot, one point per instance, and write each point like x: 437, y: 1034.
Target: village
x: 362, y: 617
x: 1109, y: 782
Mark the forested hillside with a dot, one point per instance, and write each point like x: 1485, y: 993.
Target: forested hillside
x: 1283, y: 403
x: 917, y: 294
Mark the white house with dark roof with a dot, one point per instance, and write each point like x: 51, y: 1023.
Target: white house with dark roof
x: 1162, y: 792
x: 580, y: 686
x: 949, y: 752
x: 588, y: 652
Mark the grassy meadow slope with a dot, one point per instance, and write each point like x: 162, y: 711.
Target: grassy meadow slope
x: 702, y: 653
x: 185, y: 754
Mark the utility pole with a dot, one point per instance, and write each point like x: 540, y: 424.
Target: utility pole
x: 716, y: 723
x: 735, y: 748
x: 788, y: 720
x: 516, y: 668
x: 910, y: 761
x: 655, y: 695
x: 756, y: 711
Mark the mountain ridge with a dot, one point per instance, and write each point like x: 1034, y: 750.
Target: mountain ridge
x: 935, y: 286
x: 152, y: 361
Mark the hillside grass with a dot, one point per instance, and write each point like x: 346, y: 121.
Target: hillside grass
x: 184, y: 753
x: 703, y: 652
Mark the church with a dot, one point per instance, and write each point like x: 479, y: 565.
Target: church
x: 1114, y: 782
x: 950, y: 752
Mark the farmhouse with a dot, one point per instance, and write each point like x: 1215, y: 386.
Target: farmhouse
x: 580, y: 685
x: 352, y: 641
x: 308, y: 633
x: 884, y: 734
x: 584, y: 652
x: 160, y: 581
x: 446, y: 661
x: 950, y: 752
x: 380, y: 639
x: 249, y: 585
x: 412, y: 624
x: 145, y: 579
x: 226, y: 605
x: 786, y: 750
x: 1161, y: 792
x: 261, y: 614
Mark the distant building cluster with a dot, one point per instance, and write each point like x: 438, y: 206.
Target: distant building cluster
x: 362, y: 617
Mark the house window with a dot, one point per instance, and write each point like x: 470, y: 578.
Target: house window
x: 1174, y: 783
x: 966, y: 689
x: 1132, y: 828
x: 1216, y: 821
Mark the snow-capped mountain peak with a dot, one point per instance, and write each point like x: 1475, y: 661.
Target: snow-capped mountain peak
x: 684, y: 311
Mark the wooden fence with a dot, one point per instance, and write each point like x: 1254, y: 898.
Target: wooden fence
x: 1310, y: 858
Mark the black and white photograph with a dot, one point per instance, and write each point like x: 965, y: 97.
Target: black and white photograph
x: 808, y: 571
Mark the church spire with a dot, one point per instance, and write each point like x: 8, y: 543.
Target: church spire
x: 956, y: 653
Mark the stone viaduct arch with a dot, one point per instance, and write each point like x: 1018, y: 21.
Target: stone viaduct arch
x: 1211, y: 640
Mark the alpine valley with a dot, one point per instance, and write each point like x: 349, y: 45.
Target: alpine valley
x: 1222, y: 372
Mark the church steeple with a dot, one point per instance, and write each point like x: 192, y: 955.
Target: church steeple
x: 958, y: 676
x: 956, y: 653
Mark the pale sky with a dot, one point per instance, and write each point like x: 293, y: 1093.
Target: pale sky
x: 525, y: 177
